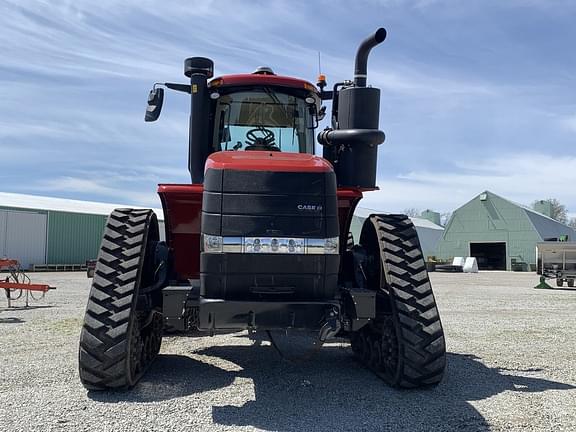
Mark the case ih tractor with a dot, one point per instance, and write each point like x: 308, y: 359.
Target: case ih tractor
x: 259, y: 240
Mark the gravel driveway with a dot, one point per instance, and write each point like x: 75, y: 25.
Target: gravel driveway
x: 511, y: 367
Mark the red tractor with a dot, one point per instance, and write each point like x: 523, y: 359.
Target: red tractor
x: 259, y: 240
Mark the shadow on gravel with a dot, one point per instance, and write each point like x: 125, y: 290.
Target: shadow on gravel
x: 170, y: 377
x: 331, y: 391
x: 25, y: 308
x: 334, y: 392
x: 558, y: 289
x: 11, y: 320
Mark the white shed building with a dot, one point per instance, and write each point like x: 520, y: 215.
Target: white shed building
x: 429, y: 233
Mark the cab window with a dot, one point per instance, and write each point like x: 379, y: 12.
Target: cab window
x: 263, y: 119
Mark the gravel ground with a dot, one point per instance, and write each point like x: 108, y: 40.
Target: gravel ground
x: 511, y: 367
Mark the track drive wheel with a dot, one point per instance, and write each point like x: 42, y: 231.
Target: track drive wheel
x: 122, y: 333
x: 406, y: 333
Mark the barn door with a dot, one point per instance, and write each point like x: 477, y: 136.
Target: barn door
x: 25, y: 237
x: 3, y: 217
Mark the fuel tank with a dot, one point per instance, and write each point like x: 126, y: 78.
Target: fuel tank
x: 269, y: 227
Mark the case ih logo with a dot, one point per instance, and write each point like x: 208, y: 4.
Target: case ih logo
x: 309, y: 207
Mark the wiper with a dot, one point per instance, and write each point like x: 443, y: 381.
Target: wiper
x: 276, y: 100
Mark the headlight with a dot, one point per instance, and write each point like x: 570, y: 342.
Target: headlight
x: 270, y: 245
x: 273, y: 245
x: 322, y: 246
x: 212, y: 244
x: 331, y: 245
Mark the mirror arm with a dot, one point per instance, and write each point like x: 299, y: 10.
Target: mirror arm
x: 178, y: 87
x: 326, y: 95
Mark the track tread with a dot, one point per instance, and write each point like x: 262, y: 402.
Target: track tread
x: 110, y: 313
x: 421, y: 344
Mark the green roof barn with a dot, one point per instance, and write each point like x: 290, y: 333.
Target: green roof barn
x: 44, y: 231
x: 502, y: 235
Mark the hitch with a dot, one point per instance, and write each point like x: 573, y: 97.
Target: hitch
x: 331, y: 327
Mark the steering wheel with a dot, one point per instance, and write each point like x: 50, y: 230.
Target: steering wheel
x: 264, y: 142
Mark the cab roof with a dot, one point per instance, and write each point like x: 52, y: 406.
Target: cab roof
x: 262, y: 79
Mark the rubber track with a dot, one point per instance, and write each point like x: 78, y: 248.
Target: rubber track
x: 422, y: 349
x: 104, y: 340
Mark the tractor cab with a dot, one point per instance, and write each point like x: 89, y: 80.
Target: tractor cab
x: 254, y: 113
x: 259, y: 111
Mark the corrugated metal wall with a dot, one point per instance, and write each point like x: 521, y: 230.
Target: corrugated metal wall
x: 428, y: 237
x: 550, y: 229
x: 51, y: 237
x: 73, y: 238
x: 3, y: 219
x: 23, y: 236
x: 491, y: 220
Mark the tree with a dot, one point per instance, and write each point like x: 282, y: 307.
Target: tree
x: 559, y: 211
x: 572, y: 223
x: 412, y: 212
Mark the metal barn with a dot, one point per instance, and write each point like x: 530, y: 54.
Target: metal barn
x: 502, y: 235
x: 52, y: 232
x: 429, y: 233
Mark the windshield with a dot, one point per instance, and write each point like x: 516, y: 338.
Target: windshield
x: 263, y: 119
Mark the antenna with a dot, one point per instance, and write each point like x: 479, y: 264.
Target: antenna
x: 319, y: 64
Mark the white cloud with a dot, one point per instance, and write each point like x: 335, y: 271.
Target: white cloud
x: 520, y: 178
x: 134, y: 39
x: 414, y: 81
x: 569, y: 122
x: 72, y: 70
x: 105, y: 189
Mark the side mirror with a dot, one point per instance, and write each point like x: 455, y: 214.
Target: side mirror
x: 318, y: 112
x: 155, y: 101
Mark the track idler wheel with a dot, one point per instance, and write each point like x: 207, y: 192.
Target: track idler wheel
x: 136, y: 350
x: 376, y: 353
x: 388, y: 351
x: 376, y: 346
x: 152, y: 336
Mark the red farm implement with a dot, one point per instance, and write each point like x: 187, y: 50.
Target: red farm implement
x: 17, y: 283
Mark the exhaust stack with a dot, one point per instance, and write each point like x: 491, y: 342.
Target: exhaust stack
x: 361, y: 62
x: 352, y: 147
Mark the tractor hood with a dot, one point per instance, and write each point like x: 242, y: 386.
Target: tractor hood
x: 267, y: 161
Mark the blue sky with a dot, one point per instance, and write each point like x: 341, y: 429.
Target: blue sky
x: 475, y: 94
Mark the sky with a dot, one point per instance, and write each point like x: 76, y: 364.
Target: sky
x: 476, y: 94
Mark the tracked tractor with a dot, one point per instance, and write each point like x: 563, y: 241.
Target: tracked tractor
x: 259, y: 240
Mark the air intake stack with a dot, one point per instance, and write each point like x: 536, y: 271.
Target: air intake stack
x: 199, y: 70
x: 352, y: 146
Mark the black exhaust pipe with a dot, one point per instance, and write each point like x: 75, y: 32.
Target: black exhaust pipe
x: 199, y: 70
x: 352, y: 147
x: 361, y: 62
